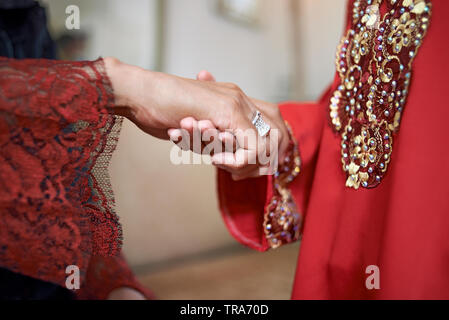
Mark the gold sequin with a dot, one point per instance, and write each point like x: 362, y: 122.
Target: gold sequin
x: 374, y: 62
x: 282, y: 220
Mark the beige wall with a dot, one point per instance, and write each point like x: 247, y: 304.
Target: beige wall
x: 123, y: 29
x: 170, y: 211
x: 321, y: 26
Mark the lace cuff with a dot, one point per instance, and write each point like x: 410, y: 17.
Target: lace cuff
x: 282, y: 220
x: 56, y: 140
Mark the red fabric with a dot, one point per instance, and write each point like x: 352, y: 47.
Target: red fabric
x: 55, y: 139
x: 401, y: 225
x: 242, y: 203
x: 106, y: 274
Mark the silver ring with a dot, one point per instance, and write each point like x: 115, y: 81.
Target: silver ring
x: 262, y: 127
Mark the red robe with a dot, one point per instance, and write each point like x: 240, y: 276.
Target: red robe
x: 398, y: 218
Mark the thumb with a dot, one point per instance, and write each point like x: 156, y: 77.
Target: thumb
x: 205, y: 76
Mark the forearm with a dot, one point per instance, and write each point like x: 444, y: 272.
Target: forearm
x: 158, y: 101
x: 137, y: 95
x: 136, y: 89
x: 127, y: 82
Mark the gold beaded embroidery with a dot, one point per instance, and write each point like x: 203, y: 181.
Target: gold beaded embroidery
x: 374, y: 62
x: 282, y: 221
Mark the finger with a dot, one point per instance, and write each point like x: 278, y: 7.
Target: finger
x: 208, y: 134
x: 205, y: 76
x: 187, y: 124
x: 236, y: 161
x: 181, y: 138
x: 243, y: 173
x: 247, y: 138
x: 245, y: 132
x: 250, y: 175
x: 174, y: 134
x: 228, y: 140
x: 196, y: 139
x: 190, y: 125
x: 204, y: 125
x: 210, y: 141
x: 240, y: 174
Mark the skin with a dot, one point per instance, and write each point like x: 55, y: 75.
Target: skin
x: 125, y: 293
x: 157, y: 102
x: 230, y: 161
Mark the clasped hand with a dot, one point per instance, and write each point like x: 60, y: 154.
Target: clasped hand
x: 218, y: 114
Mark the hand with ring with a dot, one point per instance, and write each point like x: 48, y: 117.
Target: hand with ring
x: 247, y: 151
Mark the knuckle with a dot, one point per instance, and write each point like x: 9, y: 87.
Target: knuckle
x: 232, y: 86
x: 240, y: 164
x: 234, y: 102
x: 238, y: 167
x: 228, y: 101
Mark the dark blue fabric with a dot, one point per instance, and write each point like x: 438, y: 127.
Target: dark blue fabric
x: 23, y: 31
x: 15, y: 286
x: 16, y: 4
x: 24, y: 34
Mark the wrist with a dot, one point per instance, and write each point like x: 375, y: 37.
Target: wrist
x: 290, y: 161
x: 123, y: 78
x: 285, y: 140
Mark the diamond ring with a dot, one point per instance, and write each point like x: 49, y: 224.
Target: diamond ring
x: 262, y: 127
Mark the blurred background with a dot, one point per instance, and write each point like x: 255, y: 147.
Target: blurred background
x: 274, y: 50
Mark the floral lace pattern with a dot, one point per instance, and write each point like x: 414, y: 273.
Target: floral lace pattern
x: 56, y: 139
x: 374, y: 62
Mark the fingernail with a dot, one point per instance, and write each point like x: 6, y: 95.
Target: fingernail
x: 217, y: 160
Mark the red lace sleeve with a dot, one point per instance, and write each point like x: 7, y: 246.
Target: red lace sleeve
x: 56, y: 140
x: 53, y: 90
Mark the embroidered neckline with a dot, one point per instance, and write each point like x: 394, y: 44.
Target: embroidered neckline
x: 374, y: 62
